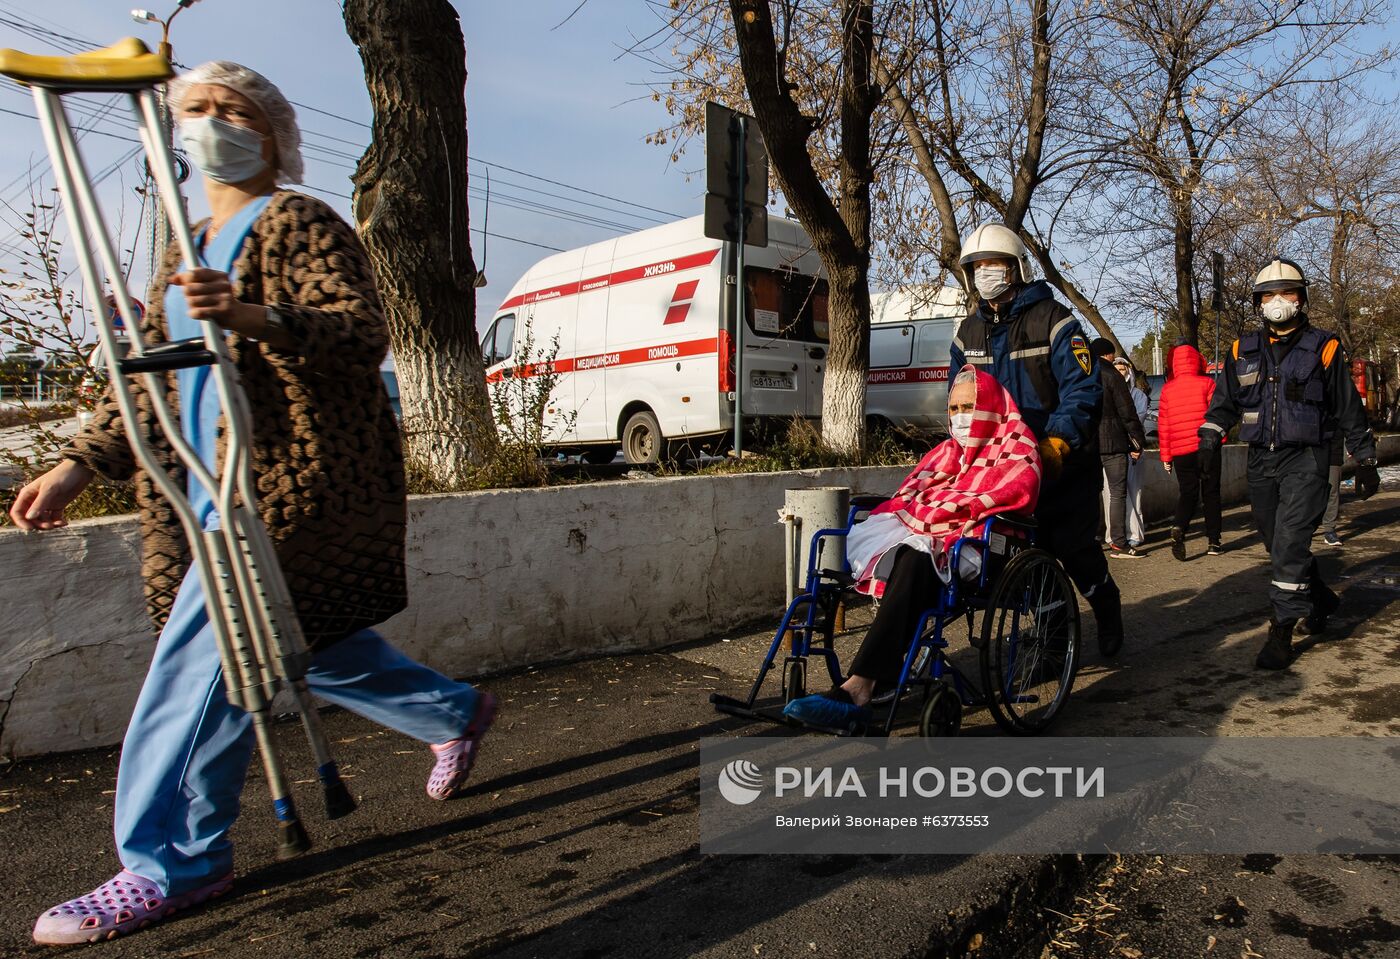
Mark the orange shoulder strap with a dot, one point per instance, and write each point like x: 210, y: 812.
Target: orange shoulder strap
x: 1329, y: 350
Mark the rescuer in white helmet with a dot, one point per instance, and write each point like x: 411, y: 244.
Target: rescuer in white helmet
x: 1287, y: 387
x: 1037, y: 350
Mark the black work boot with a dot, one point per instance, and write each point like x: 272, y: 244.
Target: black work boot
x: 1107, y: 604
x: 1277, y: 651
x: 1179, y: 543
x: 1324, y: 603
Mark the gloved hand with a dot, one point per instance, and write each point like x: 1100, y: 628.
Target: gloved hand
x: 1053, y: 451
x: 1210, y: 439
x: 1368, y: 479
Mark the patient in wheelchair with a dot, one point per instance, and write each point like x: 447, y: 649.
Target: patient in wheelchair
x: 901, y: 553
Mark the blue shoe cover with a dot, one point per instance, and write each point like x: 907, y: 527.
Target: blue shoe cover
x: 821, y: 711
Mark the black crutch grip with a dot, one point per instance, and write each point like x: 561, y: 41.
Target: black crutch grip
x: 179, y: 355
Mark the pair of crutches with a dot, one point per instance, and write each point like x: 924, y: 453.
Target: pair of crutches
x: 261, y: 646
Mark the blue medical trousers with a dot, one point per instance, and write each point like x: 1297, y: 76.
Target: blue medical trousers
x: 187, y: 750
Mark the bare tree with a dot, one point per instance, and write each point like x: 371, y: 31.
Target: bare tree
x: 1186, y: 82
x: 993, y: 96
x: 1333, y: 199
x: 411, y: 210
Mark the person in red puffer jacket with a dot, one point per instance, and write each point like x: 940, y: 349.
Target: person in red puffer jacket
x: 1185, y: 398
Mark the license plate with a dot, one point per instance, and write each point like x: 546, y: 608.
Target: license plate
x: 771, y: 381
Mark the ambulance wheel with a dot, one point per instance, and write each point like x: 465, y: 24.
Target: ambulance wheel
x: 642, y: 442
x: 599, y: 455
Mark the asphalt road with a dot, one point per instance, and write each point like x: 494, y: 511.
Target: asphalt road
x: 579, y: 836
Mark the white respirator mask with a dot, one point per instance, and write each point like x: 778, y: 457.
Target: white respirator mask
x: 992, y: 281
x: 960, y: 425
x: 1279, y: 310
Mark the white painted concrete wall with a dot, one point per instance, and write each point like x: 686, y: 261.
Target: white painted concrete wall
x: 497, y: 580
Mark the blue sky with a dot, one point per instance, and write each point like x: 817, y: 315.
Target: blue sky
x: 559, y: 104
x: 552, y: 101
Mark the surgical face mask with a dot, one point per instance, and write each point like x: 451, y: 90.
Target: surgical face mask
x: 1279, y: 310
x: 960, y: 425
x: 223, y: 151
x: 992, y: 281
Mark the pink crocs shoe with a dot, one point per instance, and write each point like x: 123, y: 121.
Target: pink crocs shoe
x: 455, y: 759
x: 122, y: 904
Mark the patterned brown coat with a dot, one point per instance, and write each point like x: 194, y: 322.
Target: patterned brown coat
x: 327, y: 457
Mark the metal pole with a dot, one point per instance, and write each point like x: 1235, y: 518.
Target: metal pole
x: 740, y: 321
x: 1156, y: 342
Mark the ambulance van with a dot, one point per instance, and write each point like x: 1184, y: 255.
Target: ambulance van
x: 645, y: 327
x: 911, y: 333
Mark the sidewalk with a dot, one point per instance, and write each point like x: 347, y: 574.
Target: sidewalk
x: 579, y: 835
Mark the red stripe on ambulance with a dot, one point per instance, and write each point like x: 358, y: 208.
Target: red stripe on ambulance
x: 922, y: 374
x: 632, y: 357
x: 646, y: 272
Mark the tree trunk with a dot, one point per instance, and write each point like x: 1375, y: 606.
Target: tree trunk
x: 949, y: 243
x: 1077, y: 297
x: 411, y: 211
x: 848, y: 358
x: 1185, y: 257
x: 841, y: 237
x: 1336, y: 269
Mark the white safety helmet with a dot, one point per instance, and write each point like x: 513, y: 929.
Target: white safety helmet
x: 1281, y: 274
x: 993, y: 240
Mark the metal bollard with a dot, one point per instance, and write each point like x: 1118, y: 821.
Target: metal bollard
x: 804, y: 512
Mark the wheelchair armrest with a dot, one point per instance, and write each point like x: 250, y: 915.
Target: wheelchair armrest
x: 866, y: 501
x: 1017, y: 520
x: 837, y: 576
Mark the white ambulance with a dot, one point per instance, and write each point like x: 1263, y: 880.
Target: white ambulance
x: 911, y: 332
x: 646, y: 338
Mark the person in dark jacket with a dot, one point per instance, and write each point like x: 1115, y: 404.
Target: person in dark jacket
x: 1137, y: 534
x: 1121, y: 441
x: 1182, y: 409
x: 1288, y: 387
x: 1037, y: 350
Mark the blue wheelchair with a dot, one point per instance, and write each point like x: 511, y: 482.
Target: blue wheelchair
x: 1027, y: 643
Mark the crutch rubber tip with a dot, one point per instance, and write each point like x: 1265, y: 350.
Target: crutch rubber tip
x: 292, y: 839
x: 339, y: 802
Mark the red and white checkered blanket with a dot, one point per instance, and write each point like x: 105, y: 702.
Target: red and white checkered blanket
x: 956, y: 487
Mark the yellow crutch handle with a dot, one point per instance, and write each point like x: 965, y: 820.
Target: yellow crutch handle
x: 124, y: 64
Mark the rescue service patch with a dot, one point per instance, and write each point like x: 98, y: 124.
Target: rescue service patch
x: 1081, y: 351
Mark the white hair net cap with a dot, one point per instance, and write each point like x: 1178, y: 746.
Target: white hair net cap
x: 262, y: 92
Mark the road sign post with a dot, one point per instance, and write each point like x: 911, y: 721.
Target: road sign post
x: 736, y: 211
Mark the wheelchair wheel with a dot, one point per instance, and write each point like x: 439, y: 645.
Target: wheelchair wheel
x: 1030, y: 643
x: 942, y: 715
